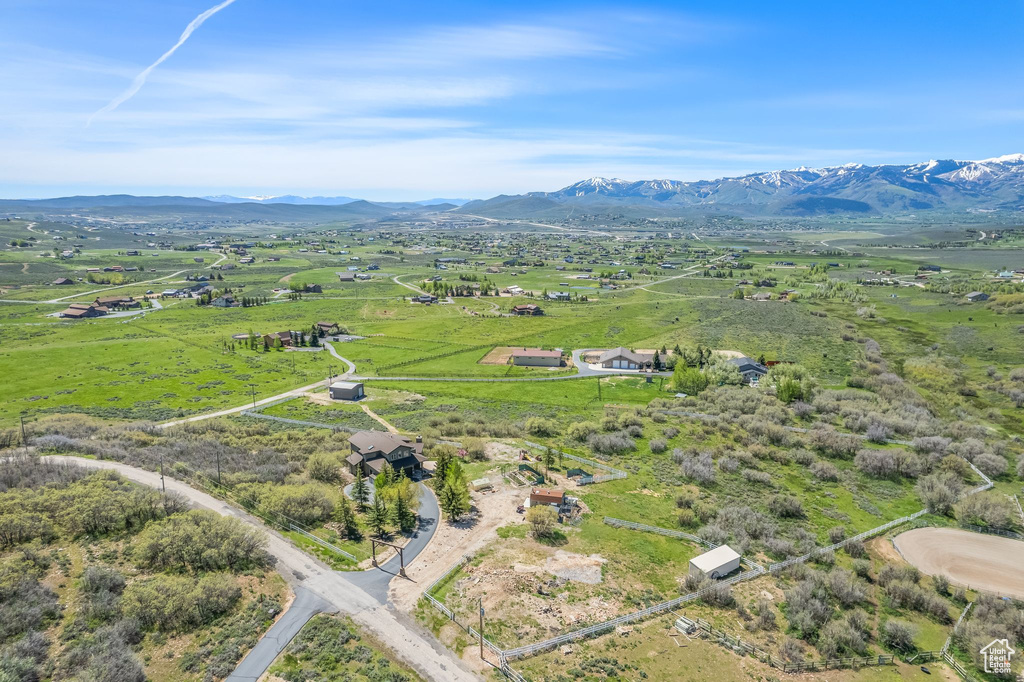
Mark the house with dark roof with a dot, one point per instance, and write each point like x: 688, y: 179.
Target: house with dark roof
x: 623, y: 358
x: 61, y: 281
x: 976, y: 296
x: 77, y: 311
x: 284, y: 337
x: 371, y: 449
x: 751, y: 370
x: 527, y: 309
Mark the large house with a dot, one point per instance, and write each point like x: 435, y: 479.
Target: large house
x: 535, y: 357
x: 111, y: 302
x: 371, y: 449
x: 327, y: 327
x: 976, y: 296
x: 284, y: 337
x: 61, y: 281
x: 623, y: 358
x: 752, y: 371
x: 77, y: 311
x: 527, y: 309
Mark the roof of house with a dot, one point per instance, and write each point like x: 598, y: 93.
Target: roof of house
x: 62, y: 280
x: 411, y: 460
x: 536, y: 353
x: 625, y: 354
x: 715, y: 558
x: 74, y: 312
x: 745, y: 364
x: 381, y: 441
x: 546, y: 496
x: 975, y: 293
x: 327, y: 325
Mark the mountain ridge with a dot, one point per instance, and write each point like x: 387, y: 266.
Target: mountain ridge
x: 995, y: 183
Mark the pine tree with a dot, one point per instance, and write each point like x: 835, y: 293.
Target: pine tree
x: 404, y: 517
x: 346, y: 518
x: 377, y: 517
x: 444, y: 459
x: 360, y: 493
x: 454, y: 495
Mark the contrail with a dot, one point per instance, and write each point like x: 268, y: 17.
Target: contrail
x: 140, y: 80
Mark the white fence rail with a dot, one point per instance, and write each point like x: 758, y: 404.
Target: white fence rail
x: 612, y: 474
x: 321, y: 542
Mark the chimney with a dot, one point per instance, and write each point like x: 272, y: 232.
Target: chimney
x: 419, y: 439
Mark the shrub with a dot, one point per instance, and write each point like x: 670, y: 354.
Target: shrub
x: 697, y: 466
x: 991, y: 465
x: 579, y: 431
x: 323, y: 467
x: 786, y: 507
x: 610, y: 443
x: 659, y: 445
x: 982, y: 509
x: 539, y: 426
x: 824, y: 471
x: 199, y: 540
x: 939, y: 492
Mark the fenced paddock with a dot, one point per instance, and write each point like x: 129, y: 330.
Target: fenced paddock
x: 986, y: 562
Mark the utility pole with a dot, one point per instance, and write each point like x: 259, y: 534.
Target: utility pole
x: 163, y: 486
x: 23, y: 442
x: 253, y: 388
x: 481, y: 602
x: 218, y: 467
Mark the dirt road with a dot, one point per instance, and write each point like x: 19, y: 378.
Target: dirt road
x: 985, y: 562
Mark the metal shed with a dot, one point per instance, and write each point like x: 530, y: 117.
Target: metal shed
x: 347, y: 390
x: 716, y: 563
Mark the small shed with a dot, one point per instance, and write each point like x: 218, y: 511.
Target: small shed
x: 347, y: 390
x: 482, y: 484
x: 716, y: 563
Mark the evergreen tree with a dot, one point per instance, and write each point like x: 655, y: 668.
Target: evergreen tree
x: 403, y: 517
x: 377, y: 517
x: 444, y: 459
x: 346, y: 518
x: 454, y: 495
x: 386, y: 478
x: 360, y: 493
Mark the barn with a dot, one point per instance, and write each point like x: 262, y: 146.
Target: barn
x: 716, y: 563
x: 347, y: 390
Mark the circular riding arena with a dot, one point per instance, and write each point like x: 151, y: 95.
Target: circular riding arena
x: 984, y: 562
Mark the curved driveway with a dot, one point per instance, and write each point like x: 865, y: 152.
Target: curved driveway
x: 405, y: 638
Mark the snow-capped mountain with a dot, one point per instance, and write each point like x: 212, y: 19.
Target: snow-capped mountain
x: 996, y: 183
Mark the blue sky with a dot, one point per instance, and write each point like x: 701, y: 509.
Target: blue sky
x: 412, y: 100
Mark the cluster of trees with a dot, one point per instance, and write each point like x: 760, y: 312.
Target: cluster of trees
x: 442, y: 289
x: 394, y: 503
x: 450, y: 482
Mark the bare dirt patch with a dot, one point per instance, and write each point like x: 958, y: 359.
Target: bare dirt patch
x: 499, y: 355
x: 452, y: 540
x: 576, y: 567
x: 984, y: 562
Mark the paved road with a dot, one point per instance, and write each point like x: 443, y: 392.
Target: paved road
x: 375, y: 582
x: 407, y: 640
x: 259, y: 659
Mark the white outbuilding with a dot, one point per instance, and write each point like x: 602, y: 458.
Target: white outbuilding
x: 716, y: 563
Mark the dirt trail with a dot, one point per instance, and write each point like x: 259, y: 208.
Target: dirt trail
x: 373, y: 415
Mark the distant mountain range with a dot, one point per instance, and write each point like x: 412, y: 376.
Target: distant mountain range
x: 995, y: 184
x: 316, y: 201
x: 990, y: 184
